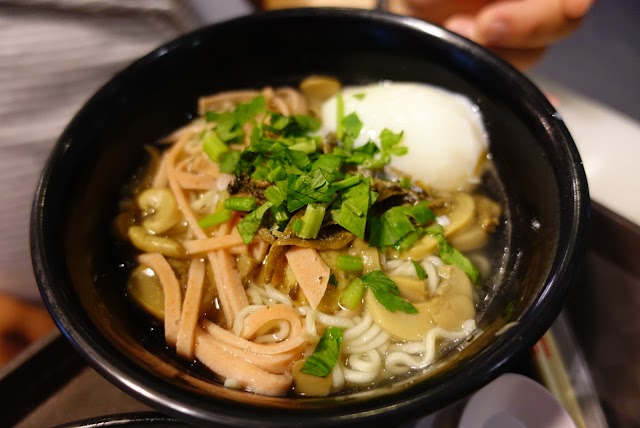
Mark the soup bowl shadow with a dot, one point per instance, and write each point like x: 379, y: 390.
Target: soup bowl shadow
x: 81, y: 273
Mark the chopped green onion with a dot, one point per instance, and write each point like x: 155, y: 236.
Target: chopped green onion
x: 352, y: 295
x: 277, y: 174
x: 280, y: 214
x: 326, y: 354
x: 340, y: 116
x: 312, y: 220
x: 350, y: 263
x: 346, y: 183
x: 308, y: 146
x: 213, y: 146
x: 214, y: 219
x: 241, y: 203
x: 275, y: 195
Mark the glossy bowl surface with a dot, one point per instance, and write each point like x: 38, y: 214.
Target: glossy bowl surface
x: 79, y: 274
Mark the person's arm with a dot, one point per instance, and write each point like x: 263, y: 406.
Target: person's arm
x: 21, y: 324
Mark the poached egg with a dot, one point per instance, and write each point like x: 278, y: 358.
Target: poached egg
x: 443, y: 131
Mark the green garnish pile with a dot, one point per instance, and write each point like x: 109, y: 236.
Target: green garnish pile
x: 285, y: 156
x: 287, y: 178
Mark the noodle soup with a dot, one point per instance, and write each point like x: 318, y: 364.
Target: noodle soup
x: 285, y: 246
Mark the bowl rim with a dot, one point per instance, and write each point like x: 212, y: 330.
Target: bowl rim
x: 160, y: 394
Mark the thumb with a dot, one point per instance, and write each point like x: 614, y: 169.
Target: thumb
x: 522, y: 23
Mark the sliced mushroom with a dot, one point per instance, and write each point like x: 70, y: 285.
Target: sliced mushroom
x: 161, y: 209
x: 489, y: 213
x: 310, y: 385
x: 319, y: 88
x: 470, y: 239
x: 462, y: 214
x: 370, y: 255
x: 145, y: 290
x: 449, y: 309
x: 412, y: 289
x: 149, y: 243
x: 427, y: 245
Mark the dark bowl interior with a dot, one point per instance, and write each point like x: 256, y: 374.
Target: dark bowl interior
x: 80, y: 276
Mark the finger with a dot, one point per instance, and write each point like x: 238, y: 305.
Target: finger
x: 577, y: 8
x: 436, y: 11
x: 285, y: 4
x: 522, y: 59
x: 461, y: 24
x: 523, y: 23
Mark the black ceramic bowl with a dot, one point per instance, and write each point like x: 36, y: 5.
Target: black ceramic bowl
x: 78, y: 272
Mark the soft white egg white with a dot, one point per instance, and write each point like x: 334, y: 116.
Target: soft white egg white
x: 443, y: 131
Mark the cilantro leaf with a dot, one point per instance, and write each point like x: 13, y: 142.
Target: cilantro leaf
x: 386, y: 292
x: 390, y: 227
x: 229, y: 161
x: 354, y: 207
x: 351, y: 126
x: 395, y: 225
x: 307, y: 189
x: 326, y: 354
x: 250, y: 224
x: 452, y: 256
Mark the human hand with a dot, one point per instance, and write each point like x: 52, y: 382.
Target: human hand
x: 20, y: 325
x: 518, y: 30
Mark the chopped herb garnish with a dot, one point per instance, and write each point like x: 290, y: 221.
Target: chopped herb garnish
x: 396, y: 224
x: 238, y: 203
x: 386, y: 292
x: 452, y: 256
x: 213, y: 146
x: 311, y: 221
x: 339, y: 116
x: 353, y: 208
x: 352, y: 295
x: 326, y: 354
x: 250, y: 224
x: 352, y: 126
x: 284, y: 152
x: 405, y: 183
x: 350, y: 263
x: 214, y: 219
x: 420, y: 273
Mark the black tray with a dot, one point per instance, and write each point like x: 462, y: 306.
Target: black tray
x: 51, y: 385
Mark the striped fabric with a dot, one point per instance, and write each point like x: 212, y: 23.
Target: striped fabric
x: 53, y: 55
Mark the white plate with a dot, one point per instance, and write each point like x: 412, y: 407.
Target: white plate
x: 514, y: 401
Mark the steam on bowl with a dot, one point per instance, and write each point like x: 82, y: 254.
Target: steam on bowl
x: 79, y: 273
